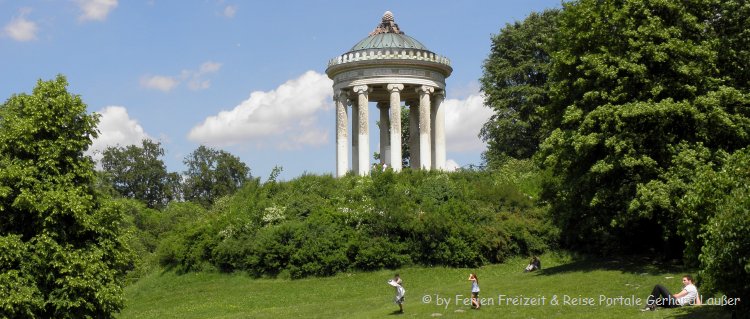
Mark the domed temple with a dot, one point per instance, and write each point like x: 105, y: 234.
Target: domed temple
x: 389, y: 67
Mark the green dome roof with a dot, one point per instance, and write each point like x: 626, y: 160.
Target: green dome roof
x: 388, y: 35
x: 388, y: 40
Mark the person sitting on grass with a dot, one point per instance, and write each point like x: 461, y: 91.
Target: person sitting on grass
x: 534, y: 264
x: 400, y: 291
x: 660, y: 296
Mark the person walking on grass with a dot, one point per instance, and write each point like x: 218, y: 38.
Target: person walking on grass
x: 474, y: 291
x: 400, y: 291
x: 660, y: 296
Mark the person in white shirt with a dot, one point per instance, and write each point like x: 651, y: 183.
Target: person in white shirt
x: 660, y: 296
x: 400, y: 292
x: 475, y: 303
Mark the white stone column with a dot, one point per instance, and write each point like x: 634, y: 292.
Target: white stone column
x: 342, y: 121
x: 414, y: 135
x: 438, y: 131
x: 385, y: 141
x: 425, y: 146
x: 355, y: 137
x: 395, y: 160
x: 363, y: 133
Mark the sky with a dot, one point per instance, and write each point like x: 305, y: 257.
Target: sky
x: 246, y: 77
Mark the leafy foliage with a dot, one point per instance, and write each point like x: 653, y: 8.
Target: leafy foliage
x: 640, y: 108
x: 515, y: 84
x: 319, y: 225
x: 212, y: 174
x: 631, y: 80
x: 62, y: 254
x: 138, y: 172
x: 718, y: 202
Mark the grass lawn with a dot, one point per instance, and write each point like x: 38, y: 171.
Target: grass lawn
x: 602, y: 289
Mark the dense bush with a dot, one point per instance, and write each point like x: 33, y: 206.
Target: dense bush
x: 725, y: 254
x: 319, y: 225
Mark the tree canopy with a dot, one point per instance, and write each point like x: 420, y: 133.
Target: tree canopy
x: 138, y: 172
x: 639, y: 113
x: 515, y: 83
x: 212, y: 174
x: 635, y: 84
x: 61, y: 250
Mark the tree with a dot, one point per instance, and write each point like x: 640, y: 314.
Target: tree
x: 212, y: 174
x: 716, y: 207
x: 515, y: 84
x: 636, y: 88
x: 731, y: 21
x: 139, y: 173
x: 62, y: 254
x: 405, y: 153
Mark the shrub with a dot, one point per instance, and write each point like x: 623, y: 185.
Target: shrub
x: 271, y: 249
x: 725, y: 256
x: 373, y: 253
x: 319, y: 226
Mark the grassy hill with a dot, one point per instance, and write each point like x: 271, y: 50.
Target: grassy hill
x: 611, y: 285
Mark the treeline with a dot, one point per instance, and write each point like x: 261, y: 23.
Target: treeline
x: 320, y: 225
x: 138, y: 172
x: 639, y: 114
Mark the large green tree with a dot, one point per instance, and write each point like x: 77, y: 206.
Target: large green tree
x: 61, y: 250
x: 639, y: 94
x: 138, y: 172
x: 515, y: 85
x: 212, y: 174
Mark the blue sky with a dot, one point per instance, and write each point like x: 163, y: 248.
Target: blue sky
x: 247, y: 77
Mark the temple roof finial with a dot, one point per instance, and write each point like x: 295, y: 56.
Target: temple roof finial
x: 387, y: 25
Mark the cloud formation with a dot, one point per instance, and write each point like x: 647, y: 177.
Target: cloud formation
x: 97, y: 10
x: 451, y: 165
x: 21, y: 29
x: 463, y: 121
x: 195, y: 79
x: 230, y: 11
x: 285, y: 118
x: 159, y: 82
x: 116, y: 128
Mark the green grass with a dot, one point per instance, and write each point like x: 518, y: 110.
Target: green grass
x: 366, y: 294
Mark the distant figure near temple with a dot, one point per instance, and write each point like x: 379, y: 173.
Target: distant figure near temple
x: 389, y: 67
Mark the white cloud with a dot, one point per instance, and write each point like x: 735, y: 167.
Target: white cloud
x: 21, y: 29
x: 284, y: 117
x: 463, y: 120
x: 199, y: 84
x: 116, y: 128
x: 195, y: 79
x: 209, y: 67
x: 95, y: 9
x: 451, y: 165
x: 230, y: 11
x: 159, y: 82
